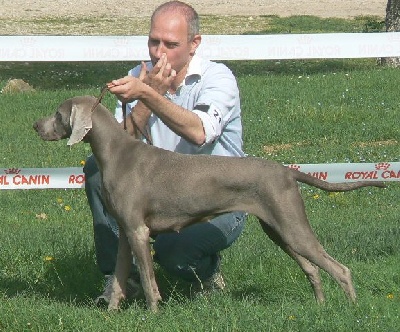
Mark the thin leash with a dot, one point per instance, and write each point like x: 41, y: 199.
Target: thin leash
x: 98, y: 101
x: 145, y: 133
x: 99, y: 98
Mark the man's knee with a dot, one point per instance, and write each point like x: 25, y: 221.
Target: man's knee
x: 172, y: 254
x: 90, y: 167
x: 167, y: 254
x: 93, y: 187
x: 185, y: 254
x: 92, y: 174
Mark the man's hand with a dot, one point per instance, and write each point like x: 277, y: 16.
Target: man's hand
x: 126, y: 89
x: 160, y: 78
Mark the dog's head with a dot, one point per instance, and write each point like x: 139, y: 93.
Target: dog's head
x: 73, y: 120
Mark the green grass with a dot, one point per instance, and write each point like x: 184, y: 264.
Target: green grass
x: 318, y: 111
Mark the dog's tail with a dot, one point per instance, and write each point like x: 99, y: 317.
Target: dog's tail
x: 328, y: 186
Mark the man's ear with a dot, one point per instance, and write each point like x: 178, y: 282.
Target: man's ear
x: 195, y: 43
x: 81, y: 123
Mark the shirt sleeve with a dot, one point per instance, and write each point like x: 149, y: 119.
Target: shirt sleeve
x: 218, y: 100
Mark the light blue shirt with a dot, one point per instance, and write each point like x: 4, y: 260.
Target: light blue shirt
x: 210, y: 90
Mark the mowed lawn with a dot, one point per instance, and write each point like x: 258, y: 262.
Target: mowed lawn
x: 320, y: 111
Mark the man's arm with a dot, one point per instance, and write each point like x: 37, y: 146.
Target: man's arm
x: 149, y: 89
x: 181, y: 121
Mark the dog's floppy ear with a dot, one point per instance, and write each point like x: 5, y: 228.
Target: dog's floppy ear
x: 81, y: 123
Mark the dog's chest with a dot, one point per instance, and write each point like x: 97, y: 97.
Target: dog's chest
x: 111, y: 198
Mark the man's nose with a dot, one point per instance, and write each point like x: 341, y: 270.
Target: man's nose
x: 160, y: 50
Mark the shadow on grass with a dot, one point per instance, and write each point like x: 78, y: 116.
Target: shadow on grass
x: 81, y: 75
x: 298, y: 67
x: 77, y: 280
x: 256, y: 294
x: 64, y: 75
x: 71, y: 278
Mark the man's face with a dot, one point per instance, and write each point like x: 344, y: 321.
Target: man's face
x: 169, y: 35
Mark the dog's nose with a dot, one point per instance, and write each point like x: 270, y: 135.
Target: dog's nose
x: 38, y: 127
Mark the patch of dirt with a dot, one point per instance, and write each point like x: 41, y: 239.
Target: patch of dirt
x: 270, y: 149
x: 117, y: 17
x: 29, y: 9
x: 274, y: 148
x: 17, y: 86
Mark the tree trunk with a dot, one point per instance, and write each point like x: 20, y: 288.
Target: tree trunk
x: 392, y: 24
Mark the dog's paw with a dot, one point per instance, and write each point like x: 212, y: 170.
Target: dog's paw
x: 113, y: 305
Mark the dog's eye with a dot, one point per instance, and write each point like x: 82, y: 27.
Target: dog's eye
x: 60, y: 126
x: 58, y: 116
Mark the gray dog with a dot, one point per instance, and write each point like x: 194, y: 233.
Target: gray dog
x: 203, y: 186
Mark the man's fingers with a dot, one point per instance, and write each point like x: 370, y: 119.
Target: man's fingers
x: 120, y: 81
x: 167, y: 70
x: 111, y: 84
x: 143, y: 71
x: 159, y: 67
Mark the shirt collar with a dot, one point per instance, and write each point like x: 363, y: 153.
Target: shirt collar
x: 194, y: 67
x: 194, y: 70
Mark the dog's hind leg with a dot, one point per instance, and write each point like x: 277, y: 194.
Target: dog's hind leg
x: 291, y: 229
x: 310, y: 270
x: 339, y: 272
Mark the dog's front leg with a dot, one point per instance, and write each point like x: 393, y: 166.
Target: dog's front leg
x: 139, y: 240
x: 122, y: 268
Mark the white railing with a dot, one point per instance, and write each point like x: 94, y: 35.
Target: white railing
x: 214, y: 47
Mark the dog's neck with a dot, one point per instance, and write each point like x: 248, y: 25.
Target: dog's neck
x: 106, y: 135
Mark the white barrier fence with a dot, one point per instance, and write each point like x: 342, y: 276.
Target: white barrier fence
x: 214, y: 47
